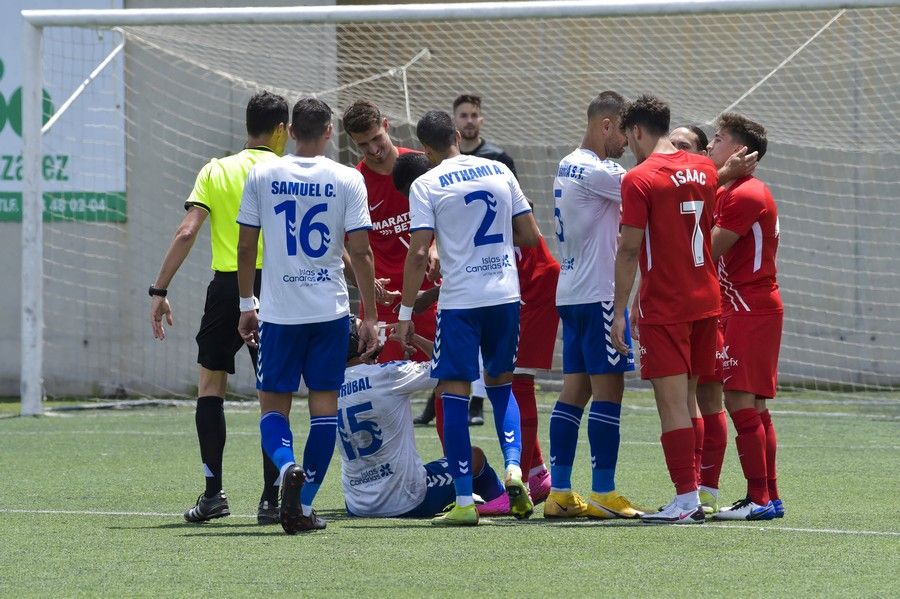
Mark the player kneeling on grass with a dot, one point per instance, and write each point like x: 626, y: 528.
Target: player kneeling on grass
x: 382, y: 474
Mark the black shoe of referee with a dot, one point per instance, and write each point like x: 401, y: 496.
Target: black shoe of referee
x: 268, y: 513
x: 476, y: 411
x: 208, y: 508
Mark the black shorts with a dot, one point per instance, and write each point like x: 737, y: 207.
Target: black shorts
x: 218, y: 340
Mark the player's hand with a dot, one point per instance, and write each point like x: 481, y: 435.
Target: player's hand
x: 633, y: 318
x: 424, y: 300
x: 368, y: 337
x: 617, y: 334
x: 159, y: 307
x: 433, y: 268
x: 248, y: 328
x: 383, y: 295
x: 740, y: 164
x: 403, y: 333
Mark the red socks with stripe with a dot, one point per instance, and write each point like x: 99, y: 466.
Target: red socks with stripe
x: 523, y: 390
x: 751, y: 446
x: 715, y: 440
x: 771, y: 443
x: 697, y: 425
x: 678, y: 447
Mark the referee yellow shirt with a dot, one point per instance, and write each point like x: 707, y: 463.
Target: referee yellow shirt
x: 218, y: 190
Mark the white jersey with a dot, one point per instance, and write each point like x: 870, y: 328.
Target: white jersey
x: 304, y: 207
x: 588, y: 197
x: 381, y: 472
x: 470, y: 202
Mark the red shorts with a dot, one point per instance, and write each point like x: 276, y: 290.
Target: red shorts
x: 750, y: 353
x: 538, y: 325
x: 682, y: 348
x: 425, y: 324
x: 716, y: 377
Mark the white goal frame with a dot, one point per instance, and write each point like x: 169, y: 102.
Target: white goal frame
x: 32, y: 319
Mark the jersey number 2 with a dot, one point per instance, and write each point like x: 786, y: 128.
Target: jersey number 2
x: 695, y: 207
x: 307, y: 228
x: 481, y: 235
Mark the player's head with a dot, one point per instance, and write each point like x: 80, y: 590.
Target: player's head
x: 644, y: 121
x: 734, y: 130
x: 604, y: 114
x: 689, y: 138
x: 437, y: 134
x: 267, y: 119
x: 368, y: 129
x: 311, y: 121
x: 467, y: 115
x: 408, y: 168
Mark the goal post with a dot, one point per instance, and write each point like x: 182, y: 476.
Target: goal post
x: 822, y: 75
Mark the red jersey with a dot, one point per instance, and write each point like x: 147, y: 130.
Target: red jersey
x: 389, y: 236
x: 538, y: 274
x: 672, y: 197
x: 747, y: 270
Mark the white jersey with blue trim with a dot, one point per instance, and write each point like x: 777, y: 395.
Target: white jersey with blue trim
x: 304, y: 207
x: 470, y: 202
x: 381, y: 472
x: 588, y: 196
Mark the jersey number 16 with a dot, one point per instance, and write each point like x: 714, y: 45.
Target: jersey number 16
x: 307, y: 228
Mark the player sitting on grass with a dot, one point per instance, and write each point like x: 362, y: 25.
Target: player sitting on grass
x: 382, y: 474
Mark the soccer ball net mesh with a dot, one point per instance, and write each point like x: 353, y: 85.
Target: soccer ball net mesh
x: 824, y: 83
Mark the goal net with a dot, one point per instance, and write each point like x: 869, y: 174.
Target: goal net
x: 117, y: 165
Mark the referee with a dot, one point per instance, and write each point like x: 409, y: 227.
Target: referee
x: 217, y: 194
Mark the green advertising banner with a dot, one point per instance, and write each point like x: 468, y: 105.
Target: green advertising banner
x: 86, y: 206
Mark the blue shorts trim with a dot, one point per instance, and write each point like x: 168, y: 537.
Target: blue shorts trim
x: 440, y: 494
x: 316, y: 351
x: 587, y: 346
x: 462, y: 332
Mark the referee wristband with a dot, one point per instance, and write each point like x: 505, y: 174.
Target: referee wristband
x: 406, y: 313
x: 249, y: 303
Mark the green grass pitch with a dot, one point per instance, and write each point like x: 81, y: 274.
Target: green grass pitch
x: 91, y: 502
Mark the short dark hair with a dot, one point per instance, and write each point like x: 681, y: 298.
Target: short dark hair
x: 749, y: 133
x: 407, y: 168
x: 310, y: 119
x: 361, y: 116
x: 702, y: 139
x: 435, y: 130
x: 649, y: 112
x: 467, y: 99
x: 607, y: 103
x: 264, y: 111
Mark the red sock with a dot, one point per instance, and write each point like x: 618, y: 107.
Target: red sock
x: 715, y: 439
x: 697, y: 424
x: 751, y: 446
x: 439, y: 419
x: 538, y: 458
x: 678, y: 447
x: 771, y: 443
x: 523, y: 390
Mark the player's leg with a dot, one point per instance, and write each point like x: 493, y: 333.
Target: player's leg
x: 665, y: 360
x: 455, y: 363
x: 715, y: 440
x: 606, y: 367
x: 476, y: 401
x: 765, y: 365
x: 488, y: 485
x: 499, y: 344
x: 696, y: 424
x: 533, y: 468
x: 565, y: 419
x: 771, y: 450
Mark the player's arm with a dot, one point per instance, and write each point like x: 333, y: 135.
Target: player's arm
x: 413, y: 275
x: 425, y: 345
x: 363, y: 266
x: 248, y: 244
x: 179, y: 248
x: 626, y: 267
x: 722, y: 240
x: 525, y: 230
x: 426, y: 299
x: 740, y: 164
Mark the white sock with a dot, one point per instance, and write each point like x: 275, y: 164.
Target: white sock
x: 688, y: 501
x: 464, y: 500
x: 281, y: 474
x: 514, y: 471
x: 307, y: 510
x: 557, y: 490
x: 539, y: 469
x: 710, y: 490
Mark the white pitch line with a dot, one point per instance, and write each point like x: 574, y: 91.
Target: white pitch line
x: 717, y: 526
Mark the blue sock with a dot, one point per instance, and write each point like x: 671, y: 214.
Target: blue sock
x: 316, y: 457
x: 487, y: 483
x: 603, y: 433
x: 564, y: 423
x: 507, y: 423
x: 457, y: 444
x: 277, y: 440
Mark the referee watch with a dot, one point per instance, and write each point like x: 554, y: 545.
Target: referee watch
x: 157, y: 291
